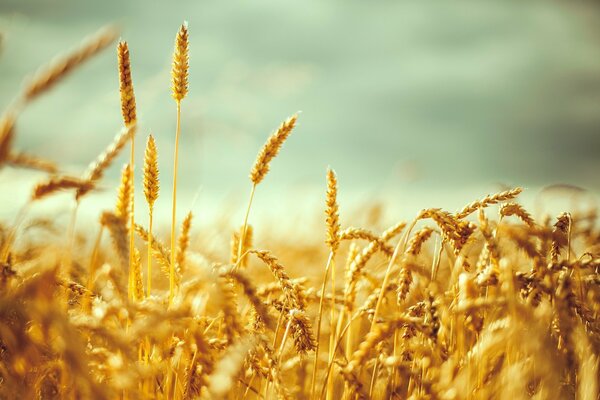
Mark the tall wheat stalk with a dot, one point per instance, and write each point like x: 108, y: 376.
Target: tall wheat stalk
x: 179, y: 75
x: 128, y: 110
x: 262, y: 164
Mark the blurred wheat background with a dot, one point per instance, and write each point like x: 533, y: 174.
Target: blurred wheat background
x: 414, y: 103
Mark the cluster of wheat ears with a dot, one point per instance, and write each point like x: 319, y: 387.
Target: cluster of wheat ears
x: 452, y: 305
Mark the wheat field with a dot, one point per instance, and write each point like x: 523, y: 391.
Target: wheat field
x: 484, y: 302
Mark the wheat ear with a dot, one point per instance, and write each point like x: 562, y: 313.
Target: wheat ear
x: 183, y: 241
x: 247, y: 245
x: 24, y: 160
x: 97, y: 168
x: 48, y: 75
x: 128, y: 108
x: 179, y: 75
x: 7, y: 135
x: 55, y: 184
x: 488, y: 200
x: 151, y: 190
x: 517, y: 210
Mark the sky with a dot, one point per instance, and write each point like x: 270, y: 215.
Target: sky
x: 411, y: 103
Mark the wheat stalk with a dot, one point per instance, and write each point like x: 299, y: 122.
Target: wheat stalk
x: 128, y: 111
x: 179, y: 75
x: 261, y: 166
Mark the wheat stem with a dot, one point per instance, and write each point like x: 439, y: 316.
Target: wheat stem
x: 174, y: 208
x: 319, y: 317
x: 131, y: 216
x: 245, y: 224
x: 149, y: 277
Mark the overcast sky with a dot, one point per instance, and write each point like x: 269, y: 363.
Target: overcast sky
x: 421, y: 97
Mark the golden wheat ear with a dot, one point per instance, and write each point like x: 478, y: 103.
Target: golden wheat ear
x: 151, y: 190
x: 123, y: 206
x: 332, y: 212
x: 270, y: 149
x: 180, y: 68
x: 128, y: 108
x: 47, y: 76
x: 151, y: 180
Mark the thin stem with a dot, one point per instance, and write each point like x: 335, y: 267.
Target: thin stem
x: 332, y: 333
x: 70, y: 241
x: 321, y: 301
x: 131, y: 220
x: 245, y: 225
x: 92, y: 270
x: 174, y: 210
x: 284, y: 339
x: 12, y: 233
x: 93, y: 259
x: 150, y: 215
x: 351, y: 319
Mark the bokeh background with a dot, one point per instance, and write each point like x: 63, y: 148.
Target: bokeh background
x: 414, y: 104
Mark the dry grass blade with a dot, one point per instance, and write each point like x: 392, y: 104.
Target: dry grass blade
x: 51, y: 74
